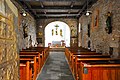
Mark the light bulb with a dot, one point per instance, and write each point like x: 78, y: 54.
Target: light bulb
x: 24, y: 14
x: 87, y: 14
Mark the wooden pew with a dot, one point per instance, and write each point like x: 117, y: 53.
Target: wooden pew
x: 36, y: 59
x: 35, y: 63
x: 25, y: 69
x: 99, y: 71
x: 77, y: 58
x: 73, y: 54
x: 71, y: 57
x: 69, y: 52
x: 44, y: 51
x: 37, y: 56
x: 78, y: 61
x: 34, y: 50
x: 22, y: 71
x: 33, y: 54
x: 76, y: 49
x: 85, y: 56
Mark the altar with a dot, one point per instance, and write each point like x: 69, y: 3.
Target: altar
x: 57, y: 44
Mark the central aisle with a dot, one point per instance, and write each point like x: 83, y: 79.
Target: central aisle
x: 56, y: 68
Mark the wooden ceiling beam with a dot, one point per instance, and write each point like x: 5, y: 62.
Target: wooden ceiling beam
x: 68, y: 11
x: 56, y: 7
x: 56, y: 15
x: 46, y: 17
x: 40, y: 13
x: 50, y: 0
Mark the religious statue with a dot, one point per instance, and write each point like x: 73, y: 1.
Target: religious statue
x: 73, y: 31
x: 56, y: 29
x: 108, y: 23
x: 25, y: 28
x: 61, y: 32
x: 52, y: 32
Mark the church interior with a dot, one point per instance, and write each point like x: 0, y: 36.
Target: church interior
x: 59, y: 39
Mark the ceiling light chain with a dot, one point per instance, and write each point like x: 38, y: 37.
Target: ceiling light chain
x: 87, y: 12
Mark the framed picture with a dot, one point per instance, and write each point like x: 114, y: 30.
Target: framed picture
x: 95, y: 19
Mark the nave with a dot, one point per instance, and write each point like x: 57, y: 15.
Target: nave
x: 89, y: 30
x: 56, y: 68
x: 69, y: 64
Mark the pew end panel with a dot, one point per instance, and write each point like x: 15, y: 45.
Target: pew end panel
x: 109, y: 71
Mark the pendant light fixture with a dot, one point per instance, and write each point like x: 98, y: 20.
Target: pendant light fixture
x: 87, y: 12
x: 24, y: 13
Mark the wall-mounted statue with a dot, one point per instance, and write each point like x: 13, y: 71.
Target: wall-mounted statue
x: 108, y: 23
x: 56, y: 29
x: 61, y: 33
x: 52, y: 32
x: 25, y: 29
x: 73, y: 31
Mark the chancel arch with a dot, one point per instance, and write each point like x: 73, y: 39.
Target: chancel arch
x: 57, y: 34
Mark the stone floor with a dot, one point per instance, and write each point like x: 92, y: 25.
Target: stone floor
x: 56, y: 68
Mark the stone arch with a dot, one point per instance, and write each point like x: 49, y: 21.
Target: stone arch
x: 54, y: 20
x: 51, y: 36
